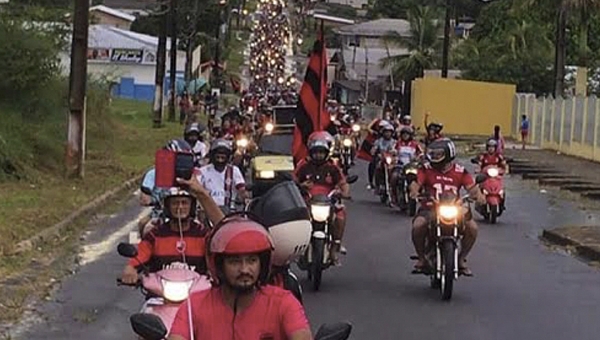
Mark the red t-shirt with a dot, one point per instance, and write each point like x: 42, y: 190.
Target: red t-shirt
x: 435, y: 182
x: 486, y: 159
x: 274, y: 314
x: 325, y: 177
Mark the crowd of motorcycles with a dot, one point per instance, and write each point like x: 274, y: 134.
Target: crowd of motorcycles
x: 285, y: 203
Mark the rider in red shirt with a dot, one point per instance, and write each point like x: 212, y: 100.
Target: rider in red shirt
x: 441, y: 174
x: 241, y: 305
x: 319, y: 175
x: 492, y: 156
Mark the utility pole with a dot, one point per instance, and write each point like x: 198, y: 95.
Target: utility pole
x: 173, y: 57
x: 446, y: 47
x: 75, y: 153
x: 161, y: 56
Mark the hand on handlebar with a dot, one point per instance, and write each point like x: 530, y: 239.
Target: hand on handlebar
x: 129, y: 276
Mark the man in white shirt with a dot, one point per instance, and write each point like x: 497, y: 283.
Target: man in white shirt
x: 223, y: 180
x: 192, y: 135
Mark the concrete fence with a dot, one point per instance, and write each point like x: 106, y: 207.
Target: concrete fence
x: 569, y: 125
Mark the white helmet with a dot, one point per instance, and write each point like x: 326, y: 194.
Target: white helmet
x: 284, y: 213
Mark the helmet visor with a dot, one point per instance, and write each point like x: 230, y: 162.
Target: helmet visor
x: 436, y: 155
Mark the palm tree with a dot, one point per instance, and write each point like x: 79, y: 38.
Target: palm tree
x: 562, y: 8
x: 423, y: 45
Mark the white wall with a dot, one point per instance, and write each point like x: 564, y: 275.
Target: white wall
x: 142, y: 73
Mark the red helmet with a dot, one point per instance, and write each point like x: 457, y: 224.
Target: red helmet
x: 238, y: 236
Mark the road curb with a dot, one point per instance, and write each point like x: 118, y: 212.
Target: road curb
x: 584, y: 251
x: 88, y: 208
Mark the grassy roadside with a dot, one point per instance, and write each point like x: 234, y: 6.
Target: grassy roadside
x: 121, y: 144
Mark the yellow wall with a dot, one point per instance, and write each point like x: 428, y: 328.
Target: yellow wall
x: 464, y: 107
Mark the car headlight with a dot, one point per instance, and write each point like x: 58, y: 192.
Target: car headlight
x: 493, y: 172
x: 319, y: 213
x: 388, y: 160
x: 242, y: 143
x: 266, y: 174
x: 269, y: 127
x: 355, y: 127
x: 347, y: 142
x: 448, y: 212
x: 176, y: 291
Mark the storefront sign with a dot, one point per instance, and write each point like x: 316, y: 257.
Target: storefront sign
x: 121, y: 55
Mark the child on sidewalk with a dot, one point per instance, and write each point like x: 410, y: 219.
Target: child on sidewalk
x: 524, y: 130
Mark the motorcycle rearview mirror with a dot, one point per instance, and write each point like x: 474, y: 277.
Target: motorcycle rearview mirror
x: 480, y: 178
x: 352, y: 179
x: 474, y: 160
x: 148, y: 326
x: 334, y: 331
x: 127, y: 250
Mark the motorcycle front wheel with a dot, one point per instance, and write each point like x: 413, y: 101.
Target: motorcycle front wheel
x: 448, y: 264
x: 316, y: 266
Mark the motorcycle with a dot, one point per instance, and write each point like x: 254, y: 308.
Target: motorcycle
x: 408, y: 174
x: 493, y: 189
x: 151, y: 327
x: 166, y: 289
x: 345, y: 153
x: 443, y: 239
x: 386, y: 165
x: 322, y: 212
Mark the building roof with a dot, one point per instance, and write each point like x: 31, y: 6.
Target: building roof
x: 113, y: 12
x: 376, y: 28
x: 375, y: 56
x: 105, y: 36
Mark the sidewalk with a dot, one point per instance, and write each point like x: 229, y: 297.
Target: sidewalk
x: 551, y: 168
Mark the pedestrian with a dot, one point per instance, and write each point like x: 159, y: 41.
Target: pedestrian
x: 524, y: 130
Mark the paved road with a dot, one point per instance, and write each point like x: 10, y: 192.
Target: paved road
x: 521, y: 289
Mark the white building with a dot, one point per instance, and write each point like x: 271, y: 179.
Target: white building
x: 127, y: 58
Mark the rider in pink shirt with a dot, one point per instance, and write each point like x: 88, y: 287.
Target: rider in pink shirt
x: 241, y: 305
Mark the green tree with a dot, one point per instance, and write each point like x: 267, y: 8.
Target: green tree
x: 509, y: 45
x: 423, y: 45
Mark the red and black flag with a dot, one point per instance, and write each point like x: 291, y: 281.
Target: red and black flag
x: 365, y: 148
x: 311, y: 114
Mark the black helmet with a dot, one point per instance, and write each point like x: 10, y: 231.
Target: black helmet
x: 441, y: 152
x: 179, y: 145
x: 436, y: 127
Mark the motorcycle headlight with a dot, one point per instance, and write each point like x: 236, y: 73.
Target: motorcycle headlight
x: 448, y: 212
x: 355, y: 127
x: 388, y: 160
x: 269, y: 127
x: 347, y: 142
x: 319, y: 213
x: 266, y: 174
x: 250, y: 109
x: 176, y: 291
x: 242, y: 143
x: 493, y: 172
x: 411, y: 171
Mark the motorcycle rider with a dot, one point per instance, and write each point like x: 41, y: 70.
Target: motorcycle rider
x: 434, y: 132
x: 150, y: 195
x: 406, y: 121
x: 319, y: 175
x: 179, y: 238
x: 241, y: 305
x: 385, y: 143
x: 221, y: 178
x: 408, y: 149
x: 437, y: 176
x: 193, y: 135
x: 491, y: 156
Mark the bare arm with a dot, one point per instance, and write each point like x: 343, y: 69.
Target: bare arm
x: 212, y: 210
x: 175, y: 337
x: 303, y: 334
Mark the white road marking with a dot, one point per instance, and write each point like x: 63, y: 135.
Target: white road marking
x: 92, y: 252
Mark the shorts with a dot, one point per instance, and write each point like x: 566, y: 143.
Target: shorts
x: 340, y: 213
x: 524, y: 134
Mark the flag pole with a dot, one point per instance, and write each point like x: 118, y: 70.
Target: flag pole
x: 321, y: 96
